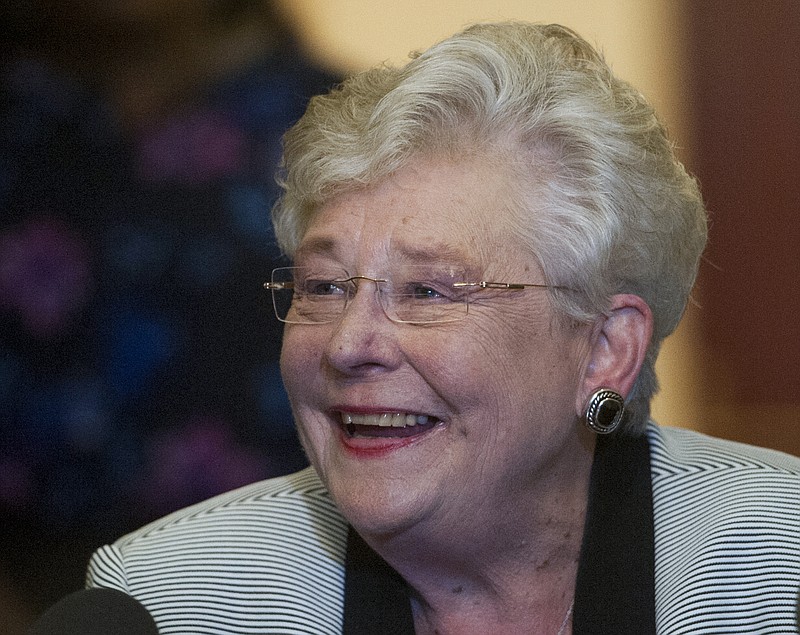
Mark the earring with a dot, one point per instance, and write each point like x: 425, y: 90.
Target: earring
x: 604, y: 411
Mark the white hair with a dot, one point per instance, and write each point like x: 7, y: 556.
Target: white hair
x: 604, y: 205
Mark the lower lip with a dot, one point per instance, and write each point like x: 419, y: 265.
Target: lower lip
x: 375, y: 447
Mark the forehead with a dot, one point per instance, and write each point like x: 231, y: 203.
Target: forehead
x: 431, y: 209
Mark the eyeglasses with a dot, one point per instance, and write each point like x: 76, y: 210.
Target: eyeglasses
x: 413, y: 294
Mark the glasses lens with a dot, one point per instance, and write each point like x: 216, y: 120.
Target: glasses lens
x: 412, y: 294
x: 302, y: 295
x: 426, y: 295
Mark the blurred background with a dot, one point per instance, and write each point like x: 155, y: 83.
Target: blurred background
x: 138, y: 143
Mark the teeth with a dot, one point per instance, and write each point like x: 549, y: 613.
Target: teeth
x: 385, y: 420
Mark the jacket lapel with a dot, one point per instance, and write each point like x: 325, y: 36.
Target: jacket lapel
x: 615, y: 590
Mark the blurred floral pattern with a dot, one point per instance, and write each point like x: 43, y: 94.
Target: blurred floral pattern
x: 44, y: 275
x: 138, y: 352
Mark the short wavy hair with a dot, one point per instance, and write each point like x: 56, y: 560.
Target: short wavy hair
x: 604, y: 204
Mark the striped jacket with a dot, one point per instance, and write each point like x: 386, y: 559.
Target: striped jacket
x: 709, y: 543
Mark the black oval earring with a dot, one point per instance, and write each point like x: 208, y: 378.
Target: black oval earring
x: 604, y: 411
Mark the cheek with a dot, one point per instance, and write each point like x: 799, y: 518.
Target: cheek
x: 517, y: 362
x: 301, y: 353
x: 302, y: 377
x: 465, y: 368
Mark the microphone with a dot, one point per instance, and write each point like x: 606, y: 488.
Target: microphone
x: 95, y: 612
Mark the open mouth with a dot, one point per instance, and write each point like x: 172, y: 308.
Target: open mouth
x: 388, y: 424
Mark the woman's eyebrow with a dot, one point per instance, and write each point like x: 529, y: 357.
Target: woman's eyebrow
x: 317, y: 246
x: 439, y: 253
x: 431, y: 252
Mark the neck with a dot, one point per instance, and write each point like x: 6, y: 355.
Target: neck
x: 512, y: 597
x: 509, y: 576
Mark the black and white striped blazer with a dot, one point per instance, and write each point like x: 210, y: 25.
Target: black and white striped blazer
x: 685, y: 534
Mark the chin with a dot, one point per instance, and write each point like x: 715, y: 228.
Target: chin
x: 379, y: 507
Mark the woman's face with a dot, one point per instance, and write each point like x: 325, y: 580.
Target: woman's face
x: 494, y: 396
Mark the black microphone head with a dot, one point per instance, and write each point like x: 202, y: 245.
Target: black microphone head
x: 95, y: 612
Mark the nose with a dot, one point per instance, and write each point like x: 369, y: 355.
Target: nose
x: 363, y: 341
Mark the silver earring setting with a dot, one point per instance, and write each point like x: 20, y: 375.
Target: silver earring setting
x: 604, y: 411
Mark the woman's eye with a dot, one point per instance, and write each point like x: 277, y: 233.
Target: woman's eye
x: 424, y: 292
x: 324, y: 287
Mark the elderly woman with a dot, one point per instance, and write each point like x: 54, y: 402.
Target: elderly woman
x: 489, y: 246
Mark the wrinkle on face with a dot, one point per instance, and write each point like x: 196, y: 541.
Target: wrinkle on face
x: 502, y: 380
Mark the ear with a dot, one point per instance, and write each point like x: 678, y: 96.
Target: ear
x: 619, y: 343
